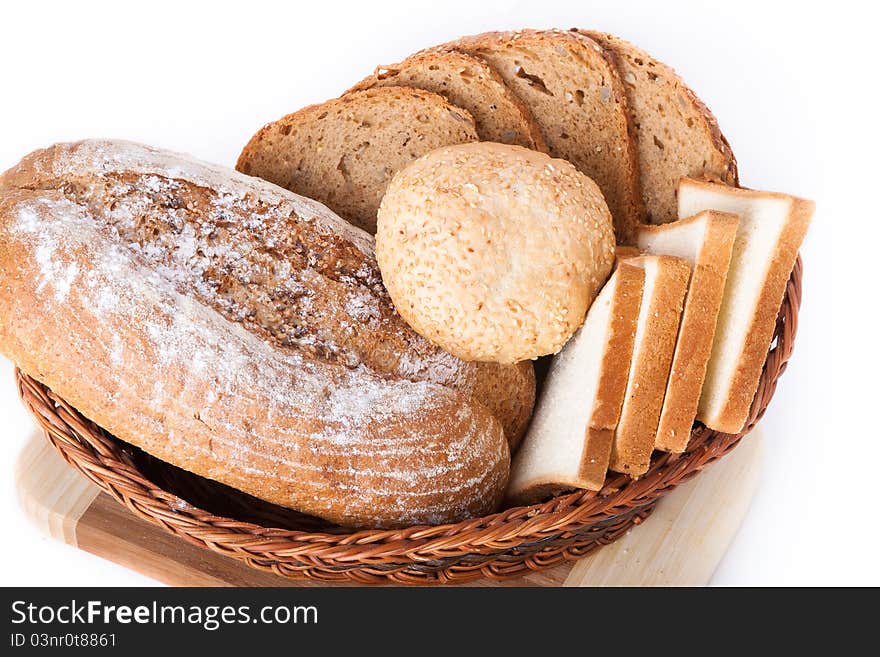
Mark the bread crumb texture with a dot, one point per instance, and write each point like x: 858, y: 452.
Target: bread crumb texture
x: 494, y: 252
x: 470, y: 83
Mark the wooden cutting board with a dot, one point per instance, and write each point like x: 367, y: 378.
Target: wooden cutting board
x: 680, y: 544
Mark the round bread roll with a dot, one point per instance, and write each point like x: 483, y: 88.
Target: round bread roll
x: 494, y: 252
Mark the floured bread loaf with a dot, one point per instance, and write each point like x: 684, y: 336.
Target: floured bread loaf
x: 243, y: 333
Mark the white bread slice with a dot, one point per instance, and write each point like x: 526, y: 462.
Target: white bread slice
x: 666, y: 282
x: 706, y: 242
x: 568, y: 443
x: 771, y: 229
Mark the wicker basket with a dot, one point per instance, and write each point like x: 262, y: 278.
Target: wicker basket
x: 269, y: 538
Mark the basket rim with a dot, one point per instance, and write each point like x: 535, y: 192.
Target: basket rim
x: 567, y: 506
x: 88, y: 448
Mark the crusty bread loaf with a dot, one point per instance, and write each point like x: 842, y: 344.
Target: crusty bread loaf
x: 344, y: 152
x: 706, y: 241
x: 675, y: 132
x: 568, y: 444
x: 666, y: 280
x: 771, y: 229
x: 466, y: 232
x: 313, y: 282
x: 470, y: 83
x: 572, y: 89
x: 243, y: 333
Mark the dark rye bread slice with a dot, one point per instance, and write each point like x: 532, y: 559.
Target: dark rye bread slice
x: 470, y: 83
x: 676, y: 134
x: 344, y: 152
x: 571, y: 87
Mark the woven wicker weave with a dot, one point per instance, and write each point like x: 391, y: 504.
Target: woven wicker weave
x: 506, y: 544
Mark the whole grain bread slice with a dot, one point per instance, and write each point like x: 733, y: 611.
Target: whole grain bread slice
x: 572, y: 89
x: 706, y: 242
x: 676, y: 134
x: 345, y: 151
x: 666, y: 281
x: 771, y: 229
x: 470, y: 83
x: 568, y: 443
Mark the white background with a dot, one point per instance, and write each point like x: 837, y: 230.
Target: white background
x: 789, y: 85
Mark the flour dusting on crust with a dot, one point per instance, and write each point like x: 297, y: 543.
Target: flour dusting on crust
x: 149, y: 352
x: 283, y: 266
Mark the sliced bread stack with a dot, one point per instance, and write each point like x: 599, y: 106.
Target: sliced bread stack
x: 742, y: 246
x: 344, y: 152
x: 604, y: 390
x: 695, y: 341
x: 706, y: 242
x: 620, y: 116
x: 666, y: 282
